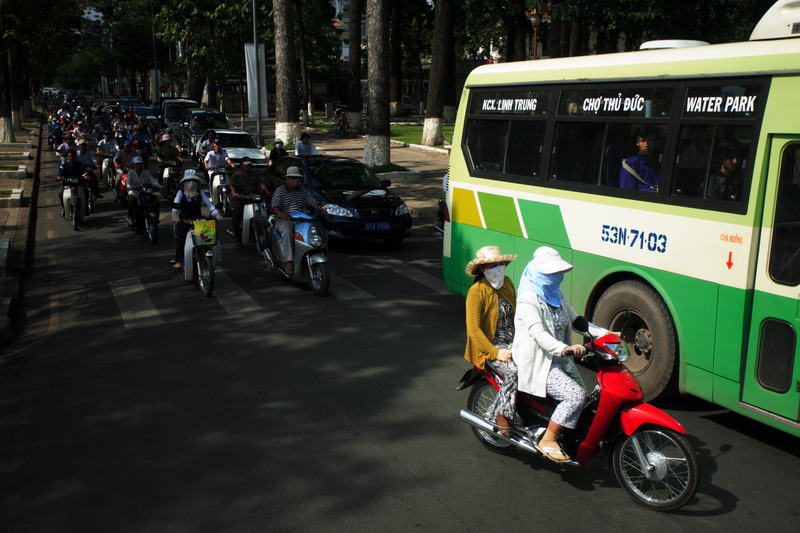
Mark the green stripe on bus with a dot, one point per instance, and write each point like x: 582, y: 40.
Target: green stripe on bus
x: 499, y: 213
x: 544, y: 223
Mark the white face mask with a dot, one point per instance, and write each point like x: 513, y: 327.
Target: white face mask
x: 495, y: 276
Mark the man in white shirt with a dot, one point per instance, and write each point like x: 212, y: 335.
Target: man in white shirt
x: 138, y: 177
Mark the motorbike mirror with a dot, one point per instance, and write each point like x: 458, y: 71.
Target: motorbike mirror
x: 580, y: 324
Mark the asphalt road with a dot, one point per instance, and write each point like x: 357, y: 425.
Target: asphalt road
x: 266, y: 408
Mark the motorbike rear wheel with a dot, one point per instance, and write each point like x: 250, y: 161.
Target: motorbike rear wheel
x: 205, y: 274
x: 320, y: 278
x: 73, y: 213
x: 671, y: 477
x: 482, y: 402
x: 226, y: 206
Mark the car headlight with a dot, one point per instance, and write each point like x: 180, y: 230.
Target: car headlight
x: 402, y: 209
x: 337, y: 210
x: 314, y: 238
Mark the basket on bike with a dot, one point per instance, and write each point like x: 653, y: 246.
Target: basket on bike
x: 205, y: 232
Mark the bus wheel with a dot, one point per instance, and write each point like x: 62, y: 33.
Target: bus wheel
x: 647, y: 327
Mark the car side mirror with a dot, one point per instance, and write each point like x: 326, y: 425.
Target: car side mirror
x: 387, y: 183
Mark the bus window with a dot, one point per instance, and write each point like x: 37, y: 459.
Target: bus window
x: 620, y: 145
x: 525, y: 146
x: 694, y: 157
x: 577, y: 161
x: 784, y: 258
x: 642, y: 171
x: 729, y: 167
x: 486, y: 144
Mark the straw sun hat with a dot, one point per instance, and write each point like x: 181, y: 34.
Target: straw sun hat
x: 488, y: 254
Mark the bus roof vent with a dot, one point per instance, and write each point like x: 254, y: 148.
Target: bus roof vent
x: 671, y: 43
x: 780, y: 21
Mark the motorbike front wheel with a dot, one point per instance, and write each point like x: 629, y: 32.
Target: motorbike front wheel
x: 668, y: 478
x: 205, y: 274
x: 320, y: 278
x: 152, y: 228
x: 483, y: 402
x: 74, y: 213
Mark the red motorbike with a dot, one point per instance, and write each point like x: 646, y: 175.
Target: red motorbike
x: 650, y: 457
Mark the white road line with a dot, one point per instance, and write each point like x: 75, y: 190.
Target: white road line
x: 344, y: 290
x: 135, y: 305
x: 231, y: 296
x: 432, y: 282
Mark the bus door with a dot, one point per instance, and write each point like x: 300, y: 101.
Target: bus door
x: 771, y: 381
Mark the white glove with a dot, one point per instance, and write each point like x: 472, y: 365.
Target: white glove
x: 175, y: 218
x: 218, y: 216
x: 504, y: 355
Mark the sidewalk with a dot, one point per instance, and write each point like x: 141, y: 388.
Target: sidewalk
x: 15, y: 222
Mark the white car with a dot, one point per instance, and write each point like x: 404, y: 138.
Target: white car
x: 238, y: 143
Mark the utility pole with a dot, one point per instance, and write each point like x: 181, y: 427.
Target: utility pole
x: 259, y: 139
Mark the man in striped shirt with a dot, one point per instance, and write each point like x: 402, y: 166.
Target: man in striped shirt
x: 287, y: 198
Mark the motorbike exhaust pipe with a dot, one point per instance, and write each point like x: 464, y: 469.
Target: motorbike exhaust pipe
x: 474, y: 420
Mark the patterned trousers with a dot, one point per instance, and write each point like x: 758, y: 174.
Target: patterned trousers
x: 565, y: 384
x: 508, y: 388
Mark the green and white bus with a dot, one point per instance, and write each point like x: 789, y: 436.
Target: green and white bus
x: 700, y: 272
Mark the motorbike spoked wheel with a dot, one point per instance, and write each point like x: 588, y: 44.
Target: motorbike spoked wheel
x: 671, y: 476
x: 320, y: 278
x: 204, y: 267
x: 482, y: 402
x: 152, y: 229
x: 226, y: 206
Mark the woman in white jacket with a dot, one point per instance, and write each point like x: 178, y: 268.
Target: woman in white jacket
x: 541, y: 340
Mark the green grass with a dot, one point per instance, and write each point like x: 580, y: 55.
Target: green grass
x: 8, y: 167
x: 5, y: 193
x: 412, y: 133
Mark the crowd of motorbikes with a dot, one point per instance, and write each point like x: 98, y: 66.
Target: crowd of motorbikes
x: 202, y: 251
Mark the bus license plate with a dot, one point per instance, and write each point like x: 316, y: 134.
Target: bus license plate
x: 373, y: 226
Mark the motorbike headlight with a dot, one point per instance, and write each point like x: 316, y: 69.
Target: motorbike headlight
x: 338, y: 211
x: 314, y: 238
x: 620, y: 349
x: 402, y: 209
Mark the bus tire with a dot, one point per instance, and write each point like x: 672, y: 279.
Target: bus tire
x: 637, y: 310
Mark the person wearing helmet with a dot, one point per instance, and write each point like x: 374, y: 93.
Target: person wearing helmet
x: 277, y: 151
x: 292, y: 196
x: 244, y: 183
x: 186, y: 208
x: 89, y: 163
x: 66, y: 146
x: 166, y: 152
x: 138, y: 177
x: 208, y: 145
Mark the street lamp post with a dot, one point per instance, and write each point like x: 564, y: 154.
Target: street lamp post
x: 536, y: 21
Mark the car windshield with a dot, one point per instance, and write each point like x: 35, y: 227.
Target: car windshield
x: 236, y: 140
x: 207, y: 122
x: 343, y: 175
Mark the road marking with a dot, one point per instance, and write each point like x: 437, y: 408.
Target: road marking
x: 344, y: 290
x: 231, y: 296
x: 135, y: 305
x: 432, y: 282
x: 50, y: 215
x: 51, y: 235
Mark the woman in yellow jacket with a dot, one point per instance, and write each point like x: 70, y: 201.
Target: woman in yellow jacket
x: 491, y: 302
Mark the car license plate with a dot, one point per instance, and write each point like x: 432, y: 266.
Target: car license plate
x: 372, y: 226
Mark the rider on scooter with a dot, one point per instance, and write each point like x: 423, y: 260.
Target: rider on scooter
x: 87, y: 160
x: 543, y: 327
x: 291, y: 196
x: 71, y: 168
x: 138, y: 177
x: 244, y: 182
x: 186, y: 209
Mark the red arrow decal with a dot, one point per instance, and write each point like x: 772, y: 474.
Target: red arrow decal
x: 729, y: 262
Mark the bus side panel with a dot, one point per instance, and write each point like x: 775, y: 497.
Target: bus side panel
x: 733, y: 319
x: 544, y: 222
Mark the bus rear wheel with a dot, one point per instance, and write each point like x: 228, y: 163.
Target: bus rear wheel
x: 647, y: 327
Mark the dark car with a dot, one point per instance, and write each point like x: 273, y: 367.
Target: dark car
x: 359, y: 205
x: 198, y: 121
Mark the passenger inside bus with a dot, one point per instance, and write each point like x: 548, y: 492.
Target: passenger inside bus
x: 641, y: 172
x: 725, y: 182
x: 695, y: 153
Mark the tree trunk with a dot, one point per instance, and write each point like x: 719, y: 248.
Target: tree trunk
x: 286, y: 102
x: 15, y: 81
x: 443, y: 22
x: 521, y: 28
x: 213, y: 89
x: 354, y: 104
x: 376, y: 142
x: 449, y: 96
x: 554, y: 38
x: 305, y: 87
x: 396, y: 61
x: 575, y: 37
x: 6, y: 121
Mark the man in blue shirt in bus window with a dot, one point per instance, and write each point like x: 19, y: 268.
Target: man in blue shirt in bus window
x: 640, y: 172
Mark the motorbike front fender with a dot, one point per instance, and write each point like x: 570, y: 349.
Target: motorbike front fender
x: 631, y: 418
x: 316, y: 258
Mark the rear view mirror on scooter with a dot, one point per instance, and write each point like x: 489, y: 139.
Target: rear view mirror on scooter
x: 581, y: 325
